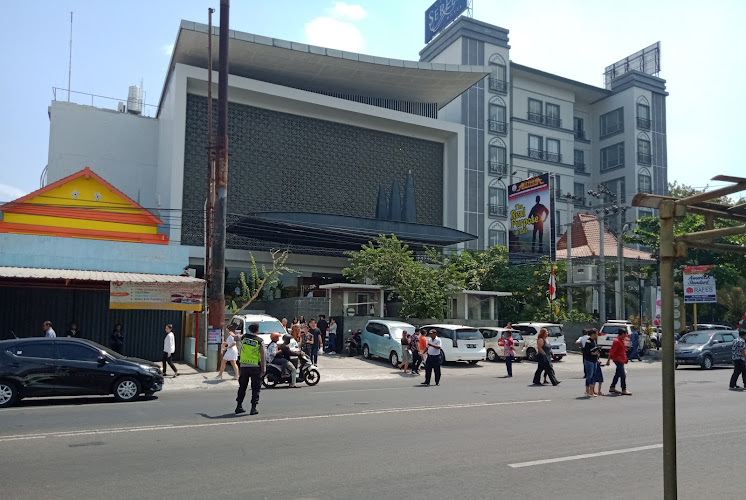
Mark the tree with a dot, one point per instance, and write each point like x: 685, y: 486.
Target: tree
x: 733, y: 298
x: 250, y: 290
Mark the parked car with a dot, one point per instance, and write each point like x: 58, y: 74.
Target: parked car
x: 709, y: 326
x: 530, y: 333
x: 706, y: 349
x: 459, y: 343
x: 382, y: 338
x: 609, y: 331
x: 494, y: 342
x: 267, y: 324
x: 34, y: 367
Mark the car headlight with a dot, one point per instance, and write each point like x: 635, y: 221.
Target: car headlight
x: 151, y: 369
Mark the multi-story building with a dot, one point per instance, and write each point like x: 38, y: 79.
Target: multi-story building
x: 522, y: 121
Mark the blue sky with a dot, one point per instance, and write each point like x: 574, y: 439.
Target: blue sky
x: 118, y: 44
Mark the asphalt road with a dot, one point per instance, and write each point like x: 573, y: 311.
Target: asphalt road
x: 472, y: 437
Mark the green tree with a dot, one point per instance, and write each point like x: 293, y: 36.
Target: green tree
x: 252, y: 289
x: 733, y: 298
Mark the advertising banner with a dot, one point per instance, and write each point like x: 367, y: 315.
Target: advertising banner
x: 164, y: 296
x: 699, y: 288
x: 657, y: 319
x: 214, y: 336
x: 529, y: 207
x: 440, y: 14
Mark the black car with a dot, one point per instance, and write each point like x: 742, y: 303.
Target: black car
x: 32, y: 367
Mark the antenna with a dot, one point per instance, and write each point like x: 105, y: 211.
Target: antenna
x: 70, y: 58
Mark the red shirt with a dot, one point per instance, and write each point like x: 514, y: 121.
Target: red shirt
x: 618, y: 351
x: 423, y: 342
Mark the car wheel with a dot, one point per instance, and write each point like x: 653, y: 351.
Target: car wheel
x: 707, y: 363
x: 557, y: 358
x: 312, y: 377
x: 366, y: 351
x: 8, y: 394
x: 269, y: 381
x: 394, y: 359
x: 127, y: 389
x: 492, y: 355
x: 442, y: 358
x: 531, y: 354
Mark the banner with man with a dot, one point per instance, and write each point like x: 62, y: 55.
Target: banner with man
x: 529, y: 209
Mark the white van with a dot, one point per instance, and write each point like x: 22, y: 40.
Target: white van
x: 459, y: 343
x: 267, y: 324
x: 530, y: 333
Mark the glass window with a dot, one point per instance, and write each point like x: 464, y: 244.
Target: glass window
x: 535, y: 146
x: 579, y: 158
x: 35, y: 350
x: 612, y: 156
x: 499, y: 72
x: 646, y: 213
x: 497, y: 113
x: 442, y: 333
x: 237, y: 325
x: 614, y: 186
x: 557, y: 220
x: 76, y: 352
x: 497, y: 237
x: 470, y: 334
x: 553, y: 115
x: 498, y: 154
x: 534, y: 110
x: 643, y: 111
x: 578, y: 124
x: 643, y: 146
x: 579, y: 189
x: 553, y: 150
x: 728, y: 337
x: 612, y: 122
x: 498, y: 196
x: 644, y: 183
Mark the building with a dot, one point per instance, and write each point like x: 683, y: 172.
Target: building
x: 522, y: 121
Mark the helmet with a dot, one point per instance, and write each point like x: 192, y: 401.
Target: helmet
x: 286, y: 338
x: 274, y: 337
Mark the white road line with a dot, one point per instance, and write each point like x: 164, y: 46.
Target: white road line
x: 587, y: 455
x: 88, y: 432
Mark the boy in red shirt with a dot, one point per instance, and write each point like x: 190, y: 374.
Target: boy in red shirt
x: 618, y: 354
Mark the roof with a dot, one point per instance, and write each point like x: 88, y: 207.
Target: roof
x: 388, y: 322
x: 448, y: 325
x: 586, y: 240
x: 71, y: 274
x: 590, y: 93
x: 351, y: 286
x: 487, y: 292
x: 319, y: 69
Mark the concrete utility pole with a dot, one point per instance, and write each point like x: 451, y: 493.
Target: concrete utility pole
x: 216, y: 313
x: 601, y: 272
x: 569, y: 260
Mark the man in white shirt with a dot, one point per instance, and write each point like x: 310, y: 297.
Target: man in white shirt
x: 581, y: 343
x: 433, y: 358
x: 48, y: 332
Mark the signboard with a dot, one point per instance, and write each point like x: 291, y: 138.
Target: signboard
x: 657, y: 320
x: 529, y: 208
x: 679, y: 315
x: 165, y: 296
x: 699, y: 288
x: 440, y: 14
x: 214, y: 336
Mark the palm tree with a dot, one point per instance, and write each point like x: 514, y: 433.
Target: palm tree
x: 734, y: 300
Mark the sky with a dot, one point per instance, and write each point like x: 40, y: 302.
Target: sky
x: 118, y: 44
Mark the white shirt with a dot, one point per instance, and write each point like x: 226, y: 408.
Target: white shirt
x: 169, y: 343
x: 582, y: 340
x: 50, y: 333
x: 432, y: 351
x: 333, y: 328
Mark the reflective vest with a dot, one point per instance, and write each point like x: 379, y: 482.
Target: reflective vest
x: 251, y: 351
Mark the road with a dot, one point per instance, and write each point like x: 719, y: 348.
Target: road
x: 475, y: 436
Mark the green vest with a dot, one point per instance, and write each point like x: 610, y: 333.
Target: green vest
x: 251, y: 349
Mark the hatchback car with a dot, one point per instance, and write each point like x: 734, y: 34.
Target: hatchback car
x: 33, y: 367
x: 706, y: 349
x: 494, y: 342
x: 459, y: 343
x: 530, y: 333
x: 382, y: 338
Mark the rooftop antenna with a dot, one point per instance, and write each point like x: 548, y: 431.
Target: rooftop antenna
x: 70, y: 58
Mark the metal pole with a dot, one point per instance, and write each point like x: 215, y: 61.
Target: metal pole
x: 602, y: 271
x: 619, y: 270
x: 70, y: 59
x: 569, y: 258
x: 668, y: 378
x: 210, y: 165
x: 216, y: 313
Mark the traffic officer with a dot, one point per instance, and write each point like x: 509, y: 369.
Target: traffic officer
x: 253, y: 361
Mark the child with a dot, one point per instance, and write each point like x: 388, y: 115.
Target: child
x: 598, y: 378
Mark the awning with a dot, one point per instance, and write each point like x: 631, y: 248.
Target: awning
x: 74, y: 274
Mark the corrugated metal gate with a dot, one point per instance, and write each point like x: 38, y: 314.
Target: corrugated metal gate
x: 24, y: 310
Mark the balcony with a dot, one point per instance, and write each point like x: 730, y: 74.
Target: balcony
x: 497, y: 168
x: 549, y: 121
x: 644, y: 158
x: 497, y: 210
x: 544, y: 155
x: 580, y: 167
x: 497, y: 127
x: 580, y: 134
x: 643, y: 123
x: 498, y: 85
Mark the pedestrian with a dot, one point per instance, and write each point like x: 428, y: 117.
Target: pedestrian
x: 591, y: 352
x: 253, y: 361
x: 618, y: 354
x: 306, y: 341
x: 332, y: 336
x: 634, y: 339
x: 73, y: 332
x: 509, y: 351
x: 598, y: 378
x: 323, y: 327
x: 295, y: 322
x: 580, y: 343
x: 423, y: 347
x: 48, y: 330
x: 302, y: 322
x: 230, y: 354
x: 414, y: 348
x: 117, y: 339
x: 406, y: 354
x: 295, y: 338
x: 315, y: 334
x: 433, y: 358
x: 284, y: 326
x: 545, y: 353
x: 738, y: 354
x: 169, y: 347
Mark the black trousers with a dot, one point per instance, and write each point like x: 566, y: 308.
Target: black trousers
x: 432, y: 365
x: 739, y: 368
x: 245, y: 373
x: 416, y: 360
x: 546, y: 367
x: 167, y: 359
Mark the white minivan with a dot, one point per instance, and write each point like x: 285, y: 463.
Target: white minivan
x: 530, y: 333
x: 459, y: 343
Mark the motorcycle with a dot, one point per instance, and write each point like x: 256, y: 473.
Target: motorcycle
x: 307, y: 372
x: 353, y: 343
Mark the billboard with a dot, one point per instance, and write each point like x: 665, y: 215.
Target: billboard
x: 699, y: 287
x: 440, y: 14
x: 530, y: 211
x: 165, y: 296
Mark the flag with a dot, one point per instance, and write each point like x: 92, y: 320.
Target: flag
x: 552, y: 286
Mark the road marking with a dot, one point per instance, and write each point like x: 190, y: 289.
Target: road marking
x: 586, y: 455
x: 89, y: 432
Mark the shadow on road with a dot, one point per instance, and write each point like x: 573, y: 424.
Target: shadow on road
x: 225, y: 416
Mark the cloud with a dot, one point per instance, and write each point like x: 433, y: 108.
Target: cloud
x: 343, y: 10
x: 10, y: 193
x: 168, y: 49
x: 334, y: 34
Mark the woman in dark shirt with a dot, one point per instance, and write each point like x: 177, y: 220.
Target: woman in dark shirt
x: 117, y: 339
x: 590, y: 359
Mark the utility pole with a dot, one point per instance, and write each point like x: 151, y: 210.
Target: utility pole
x: 569, y: 259
x: 601, y: 271
x: 70, y: 58
x: 216, y: 312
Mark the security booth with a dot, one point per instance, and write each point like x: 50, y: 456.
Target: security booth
x: 476, y: 305
x: 352, y: 305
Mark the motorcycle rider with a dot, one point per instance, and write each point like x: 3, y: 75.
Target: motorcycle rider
x: 282, y: 359
x: 253, y: 359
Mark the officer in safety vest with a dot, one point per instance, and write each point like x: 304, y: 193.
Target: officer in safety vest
x: 253, y: 361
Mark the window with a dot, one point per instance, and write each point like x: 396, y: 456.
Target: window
x: 578, y: 125
x: 76, y: 352
x: 534, y: 110
x: 557, y: 219
x: 615, y: 186
x: 553, y: 115
x: 443, y: 333
x: 35, y: 350
x: 644, y: 183
x: 579, y: 160
x: 612, y: 122
x: 498, y: 201
x: 645, y: 213
x: 553, y: 150
x: 498, y: 160
x: 497, y: 119
x: 535, y: 146
x: 612, y: 157
x: 643, y: 116
x: 579, y: 192
x: 498, y: 78
x: 376, y: 329
x: 497, y: 237
x: 236, y: 325
x: 643, y: 151
x: 557, y: 185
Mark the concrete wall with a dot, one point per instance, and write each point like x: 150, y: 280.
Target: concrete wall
x: 295, y: 307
